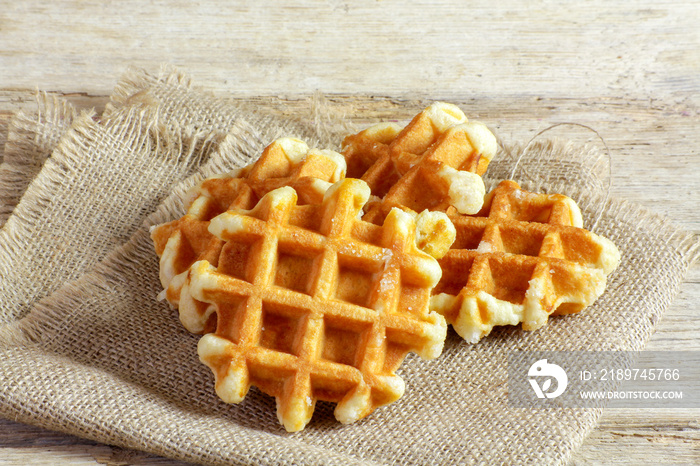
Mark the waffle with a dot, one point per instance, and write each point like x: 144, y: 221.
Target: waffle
x: 433, y: 163
x: 313, y: 303
x: 312, y: 286
x: 523, y: 257
x: 285, y: 162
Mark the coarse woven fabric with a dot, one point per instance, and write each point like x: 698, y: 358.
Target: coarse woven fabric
x: 32, y: 136
x: 82, y: 203
x: 102, y: 359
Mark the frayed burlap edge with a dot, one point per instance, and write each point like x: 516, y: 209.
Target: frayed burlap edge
x: 137, y: 127
x: 148, y: 102
x: 321, y: 126
x: 31, y: 138
x: 135, y: 82
x: 25, y: 331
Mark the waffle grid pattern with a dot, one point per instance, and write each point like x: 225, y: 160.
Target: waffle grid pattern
x: 521, y: 259
x: 285, y: 162
x: 434, y: 162
x: 316, y: 304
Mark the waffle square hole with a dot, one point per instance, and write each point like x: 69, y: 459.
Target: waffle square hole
x: 279, y: 329
x: 510, y: 278
x: 229, y: 317
x: 531, y: 209
x: 455, y: 274
x: 421, y: 193
x: 233, y: 259
x: 355, y: 280
x: 517, y: 240
x: 469, y: 233
x: 293, y: 272
x: 578, y: 246
x: 329, y: 388
x: 382, y: 178
x: 341, y: 341
x: 306, y: 217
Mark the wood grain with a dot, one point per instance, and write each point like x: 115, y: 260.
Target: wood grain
x: 434, y: 48
x: 631, y: 70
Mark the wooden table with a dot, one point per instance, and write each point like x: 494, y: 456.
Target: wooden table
x: 630, y: 70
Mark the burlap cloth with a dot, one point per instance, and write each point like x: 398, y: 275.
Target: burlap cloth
x: 31, y: 138
x: 88, y: 350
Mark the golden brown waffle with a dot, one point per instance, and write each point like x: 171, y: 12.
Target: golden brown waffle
x: 314, y: 303
x: 433, y: 163
x: 495, y: 272
x: 285, y: 162
x: 523, y: 257
x: 310, y: 292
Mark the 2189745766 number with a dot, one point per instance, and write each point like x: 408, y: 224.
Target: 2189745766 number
x: 639, y: 374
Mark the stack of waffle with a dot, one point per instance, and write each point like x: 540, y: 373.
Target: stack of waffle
x: 312, y: 273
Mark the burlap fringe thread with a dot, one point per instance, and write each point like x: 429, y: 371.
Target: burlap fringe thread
x: 73, y: 237
x: 31, y: 139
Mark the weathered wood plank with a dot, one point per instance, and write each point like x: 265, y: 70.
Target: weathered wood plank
x: 22, y: 444
x: 437, y: 48
x: 642, y: 437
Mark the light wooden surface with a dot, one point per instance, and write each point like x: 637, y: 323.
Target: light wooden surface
x: 629, y: 69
